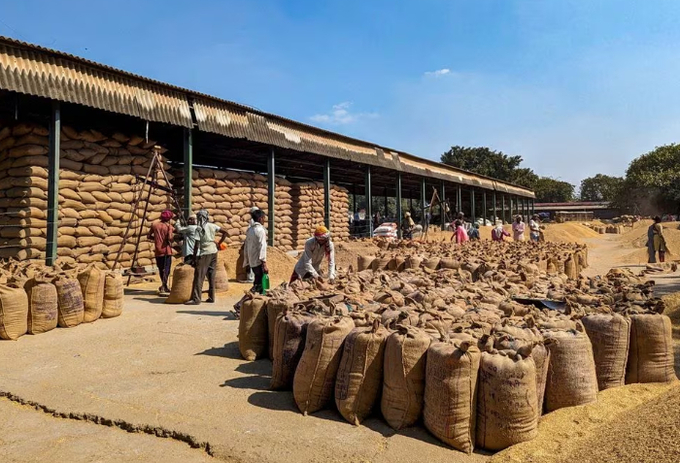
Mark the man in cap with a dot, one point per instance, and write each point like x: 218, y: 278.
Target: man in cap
x: 316, y: 248
x: 188, y: 234
x: 162, y: 235
x: 407, y: 226
x: 206, y: 264
x: 255, y: 249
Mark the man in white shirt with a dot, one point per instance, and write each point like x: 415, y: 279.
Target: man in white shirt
x: 316, y: 248
x: 206, y: 264
x: 535, y: 229
x: 188, y: 234
x: 255, y: 249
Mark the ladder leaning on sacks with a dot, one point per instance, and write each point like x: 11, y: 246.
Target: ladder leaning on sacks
x: 151, y: 179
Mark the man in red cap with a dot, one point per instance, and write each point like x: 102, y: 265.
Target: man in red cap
x: 161, y: 233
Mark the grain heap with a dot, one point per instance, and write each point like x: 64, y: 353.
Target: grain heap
x: 457, y: 348
x: 96, y: 188
x: 35, y: 299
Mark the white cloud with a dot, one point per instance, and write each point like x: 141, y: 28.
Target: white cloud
x: 438, y: 73
x: 341, y: 115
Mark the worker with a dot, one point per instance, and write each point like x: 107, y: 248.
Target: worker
x: 205, y: 264
x: 518, y: 229
x: 499, y: 233
x: 407, y: 226
x: 255, y: 249
x: 188, y: 234
x: 162, y: 235
x: 316, y: 248
x: 474, y: 232
x: 427, y: 218
x: 535, y: 228
x: 658, y: 241
x: 250, y: 278
x: 459, y: 232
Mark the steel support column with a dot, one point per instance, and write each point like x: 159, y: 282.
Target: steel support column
x: 53, y: 185
x: 503, y: 216
x: 369, y: 200
x: 271, y: 204
x: 442, y: 206
x: 459, y: 200
x: 327, y: 193
x: 188, y: 170
x: 399, y: 211
x: 485, y: 214
x: 423, y: 202
x: 495, y: 212
x: 354, y: 199
x: 473, y: 213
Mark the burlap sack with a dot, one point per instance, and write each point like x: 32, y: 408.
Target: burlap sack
x: 13, y: 312
x: 275, y: 307
x: 365, y: 262
x: 507, y: 407
x: 289, y: 336
x: 314, y: 379
x: 450, y: 406
x: 92, y: 282
x: 404, y: 376
x: 113, y: 295
x: 359, y: 379
x: 610, y: 336
x: 42, y: 305
x: 182, y: 284
x: 541, y: 356
x: 413, y: 262
x: 221, y: 276
x: 651, y: 350
x: 252, y: 327
x: 572, y: 379
x: 70, y: 302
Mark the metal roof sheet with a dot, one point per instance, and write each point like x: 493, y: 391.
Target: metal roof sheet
x: 39, y: 71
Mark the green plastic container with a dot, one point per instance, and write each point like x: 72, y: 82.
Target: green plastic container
x: 265, y: 283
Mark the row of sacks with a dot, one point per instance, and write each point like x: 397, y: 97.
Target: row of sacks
x: 475, y: 375
x: 552, y: 258
x: 36, y: 299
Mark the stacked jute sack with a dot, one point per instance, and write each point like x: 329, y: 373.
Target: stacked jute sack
x: 479, y: 256
x: 229, y: 195
x: 97, y: 186
x: 308, y: 211
x: 455, y: 350
x: 35, y: 299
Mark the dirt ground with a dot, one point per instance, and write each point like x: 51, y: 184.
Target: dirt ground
x: 166, y: 383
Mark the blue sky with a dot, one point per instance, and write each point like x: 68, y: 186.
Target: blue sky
x: 574, y: 87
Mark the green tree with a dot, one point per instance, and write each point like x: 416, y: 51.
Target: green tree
x: 484, y: 161
x: 652, y: 184
x: 600, y: 188
x: 550, y: 190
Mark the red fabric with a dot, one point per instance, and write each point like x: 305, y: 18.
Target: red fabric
x: 162, y: 235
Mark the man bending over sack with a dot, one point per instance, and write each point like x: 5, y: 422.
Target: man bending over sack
x: 316, y: 248
x: 206, y: 263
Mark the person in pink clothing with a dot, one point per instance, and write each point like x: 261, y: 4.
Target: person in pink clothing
x: 499, y: 233
x: 518, y: 229
x: 459, y: 233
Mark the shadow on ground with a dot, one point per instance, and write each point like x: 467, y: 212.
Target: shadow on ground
x: 229, y: 351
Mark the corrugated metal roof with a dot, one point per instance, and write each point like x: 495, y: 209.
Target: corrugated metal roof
x: 39, y: 71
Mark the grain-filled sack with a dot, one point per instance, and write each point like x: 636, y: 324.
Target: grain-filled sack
x: 13, y: 312
x: 507, y: 407
x: 572, y: 379
x: 314, y: 379
x: 404, y: 376
x: 92, y: 285
x: 113, y: 295
x: 70, y: 304
x: 221, y: 276
x: 275, y: 307
x: 610, y: 336
x: 359, y: 379
x: 289, y: 336
x: 413, y: 262
x: 431, y: 262
x: 450, y: 406
x: 380, y: 263
x: 651, y: 349
x: 252, y: 327
x: 42, y: 305
x: 182, y: 284
x: 541, y: 356
x: 365, y: 262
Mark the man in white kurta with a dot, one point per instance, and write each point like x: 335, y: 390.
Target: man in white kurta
x: 255, y: 249
x: 317, y: 248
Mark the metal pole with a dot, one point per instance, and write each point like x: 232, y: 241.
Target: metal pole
x: 494, y: 209
x: 354, y: 198
x: 485, y: 213
x: 53, y: 185
x: 473, y: 215
x: 442, y: 207
x: 327, y: 193
x: 460, y: 200
x: 188, y: 170
x: 369, y: 200
x: 399, y: 211
x: 271, y: 199
x: 503, y: 208
x: 387, y: 211
x: 423, y: 201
